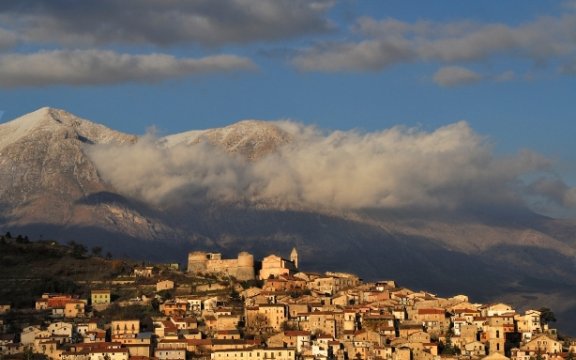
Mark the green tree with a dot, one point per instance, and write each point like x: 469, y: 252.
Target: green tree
x: 448, y: 347
x: 546, y: 316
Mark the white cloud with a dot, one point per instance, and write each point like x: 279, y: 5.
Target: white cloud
x: 366, y: 55
x: 399, y: 167
x: 450, y: 43
x: 98, y: 67
x: 455, y: 75
x: 161, y: 22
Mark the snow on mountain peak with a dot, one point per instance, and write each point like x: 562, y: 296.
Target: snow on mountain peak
x: 252, y: 139
x: 51, y: 120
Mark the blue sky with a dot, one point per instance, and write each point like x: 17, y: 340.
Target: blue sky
x: 507, y: 68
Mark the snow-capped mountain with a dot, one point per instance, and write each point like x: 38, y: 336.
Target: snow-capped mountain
x: 252, y: 139
x: 47, y: 179
x: 51, y: 186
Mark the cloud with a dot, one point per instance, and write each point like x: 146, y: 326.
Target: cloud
x: 554, y: 190
x: 366, y: 55
x: 569, y: 68
x: 100, y: 67
x: 161, y: 22
x: 450, y: 43
x: 455, y: 75
x: 505, y: 76
x: 8, y: 39
x: 399, y: 167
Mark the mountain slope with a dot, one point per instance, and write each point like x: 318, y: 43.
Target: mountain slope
x: 50, y: 187
x: 251, y: 139
x: 47, y: 177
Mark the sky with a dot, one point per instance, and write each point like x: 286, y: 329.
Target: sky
x: 507, y: 69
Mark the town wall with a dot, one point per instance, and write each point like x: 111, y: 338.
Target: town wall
x: 241, y: 268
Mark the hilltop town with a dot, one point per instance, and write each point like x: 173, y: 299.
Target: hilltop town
x: 244, y: 308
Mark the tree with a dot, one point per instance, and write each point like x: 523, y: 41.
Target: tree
x: 546, y: 316
x: 96, y: 250
x: 448, y: 348
x: 78, y: 250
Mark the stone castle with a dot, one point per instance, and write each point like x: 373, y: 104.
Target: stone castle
x: 242, y: 268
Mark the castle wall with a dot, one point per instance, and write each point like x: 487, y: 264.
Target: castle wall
x: 241, y: 268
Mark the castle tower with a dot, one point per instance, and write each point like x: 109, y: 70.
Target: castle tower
x: 197, y: 261
x: 294, y: 257
x: 245, y: 269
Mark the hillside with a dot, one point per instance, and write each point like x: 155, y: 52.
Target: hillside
x: 66, y: 178
x: 30, y: 268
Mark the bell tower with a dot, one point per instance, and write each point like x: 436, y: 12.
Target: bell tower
x: 294, y: 257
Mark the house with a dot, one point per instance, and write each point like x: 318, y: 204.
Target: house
x: 496, y: 309
x: 171, y: 350
x: 528, y: 323
x: 28, y: 334
x: 227, y: 335
x: 290, y: 339
x: 61, y: 329
x: 144, y: 271
x: 121, y: 328
x: 255, y: 353
x: 498, y: 330
x: 95, y: 336
x: 174, y: 308
x: 318, y: 322
x: 268, y: 317
x: 100, y: 299
x: 543, y: 344
x: 6, y: 340
x: 433, y: 319
x: 474, y: 349
x: 96, y: 351
x: 164, y: 285
x: 74, y: 309
x: 227, y: 322
x: 49, y: 348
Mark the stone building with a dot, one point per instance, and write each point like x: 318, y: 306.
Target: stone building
x: 273, y: 266
x: 242, y: 268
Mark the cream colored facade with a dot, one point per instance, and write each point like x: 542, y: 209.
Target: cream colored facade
x: 100, y: 297
x: 164, y: 285
x: 529, y: 323
x: 544, y: 344
x: 120, y: 328
x: 242, y: 268
x: 74, y: 309
x: 275, y: 266
x: 255, y: 354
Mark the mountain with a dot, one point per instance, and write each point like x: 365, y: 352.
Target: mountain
x: 52, y: 187
x: 48, y: 180
x: 251, y: 139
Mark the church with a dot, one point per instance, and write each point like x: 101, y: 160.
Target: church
x: 274, y: 266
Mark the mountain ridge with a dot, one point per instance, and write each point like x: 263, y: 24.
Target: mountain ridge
x: 52, y: 188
